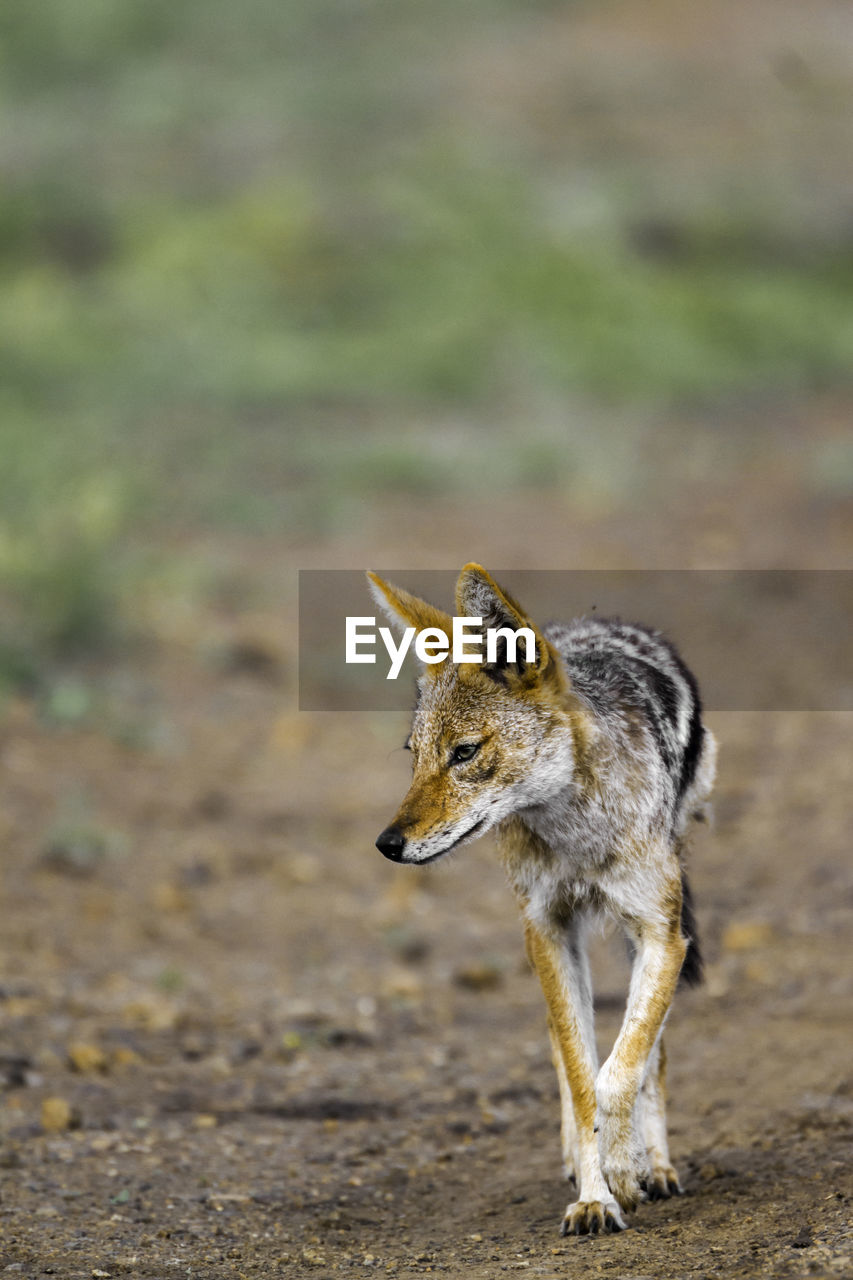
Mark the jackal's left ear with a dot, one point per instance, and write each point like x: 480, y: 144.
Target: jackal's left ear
x: 479, y: 596
x: 401, y: 607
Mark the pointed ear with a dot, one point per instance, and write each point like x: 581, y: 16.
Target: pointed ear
x: 479, y: 596
x: 406, y: 610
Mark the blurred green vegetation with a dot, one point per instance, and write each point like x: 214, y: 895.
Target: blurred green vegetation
x: 258, y: 264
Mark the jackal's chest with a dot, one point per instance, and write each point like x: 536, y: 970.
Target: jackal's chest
x: 574, y: 837
x: 554, y: 857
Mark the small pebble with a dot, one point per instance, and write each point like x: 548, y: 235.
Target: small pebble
x: 86, y: 1057
x: 55, y: 1115
x: 747, y: 934
x: 479, y: 977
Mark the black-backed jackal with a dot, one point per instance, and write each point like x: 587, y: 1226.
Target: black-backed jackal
x: 589, y: 761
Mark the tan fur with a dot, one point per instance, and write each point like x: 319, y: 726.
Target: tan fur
x: 416, y: 613
x: 567, y: 1034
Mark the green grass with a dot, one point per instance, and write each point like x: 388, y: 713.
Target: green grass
x: 253, y: 271
x: 452, y: 290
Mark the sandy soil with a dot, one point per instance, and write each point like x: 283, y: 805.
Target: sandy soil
x: 237, y: 1042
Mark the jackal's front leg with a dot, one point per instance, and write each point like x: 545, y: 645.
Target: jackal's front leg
x: 624, y: 1159
x: 569, y: 1020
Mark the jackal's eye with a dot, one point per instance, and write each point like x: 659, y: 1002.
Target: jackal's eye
x: 465, y: 751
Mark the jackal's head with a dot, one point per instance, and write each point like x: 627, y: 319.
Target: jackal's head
x: 488, y: 738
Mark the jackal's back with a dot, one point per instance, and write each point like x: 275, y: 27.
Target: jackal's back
x: 624, y: 669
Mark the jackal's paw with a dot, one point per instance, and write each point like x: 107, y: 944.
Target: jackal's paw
x: 592, y: 1218
x: 662, y: 1183
x: 626, y: 1185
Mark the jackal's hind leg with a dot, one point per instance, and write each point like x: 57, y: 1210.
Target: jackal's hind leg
x: 662, y: 1181
x: 568, y: 1131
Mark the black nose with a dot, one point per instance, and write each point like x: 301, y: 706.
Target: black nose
x: 391, y: 842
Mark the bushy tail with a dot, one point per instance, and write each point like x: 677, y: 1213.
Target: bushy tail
x: 692, y: 969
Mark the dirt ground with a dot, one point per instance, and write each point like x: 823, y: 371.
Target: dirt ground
x: 237, y: 1042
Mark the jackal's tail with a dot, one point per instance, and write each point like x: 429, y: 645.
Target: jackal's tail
x: 692, y: 969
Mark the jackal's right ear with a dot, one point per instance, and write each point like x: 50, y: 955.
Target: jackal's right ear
x: 404, y: 609
x: 479, y: 596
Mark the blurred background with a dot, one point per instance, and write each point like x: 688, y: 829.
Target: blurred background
x: 334, y: 284
x: 288, y: 270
